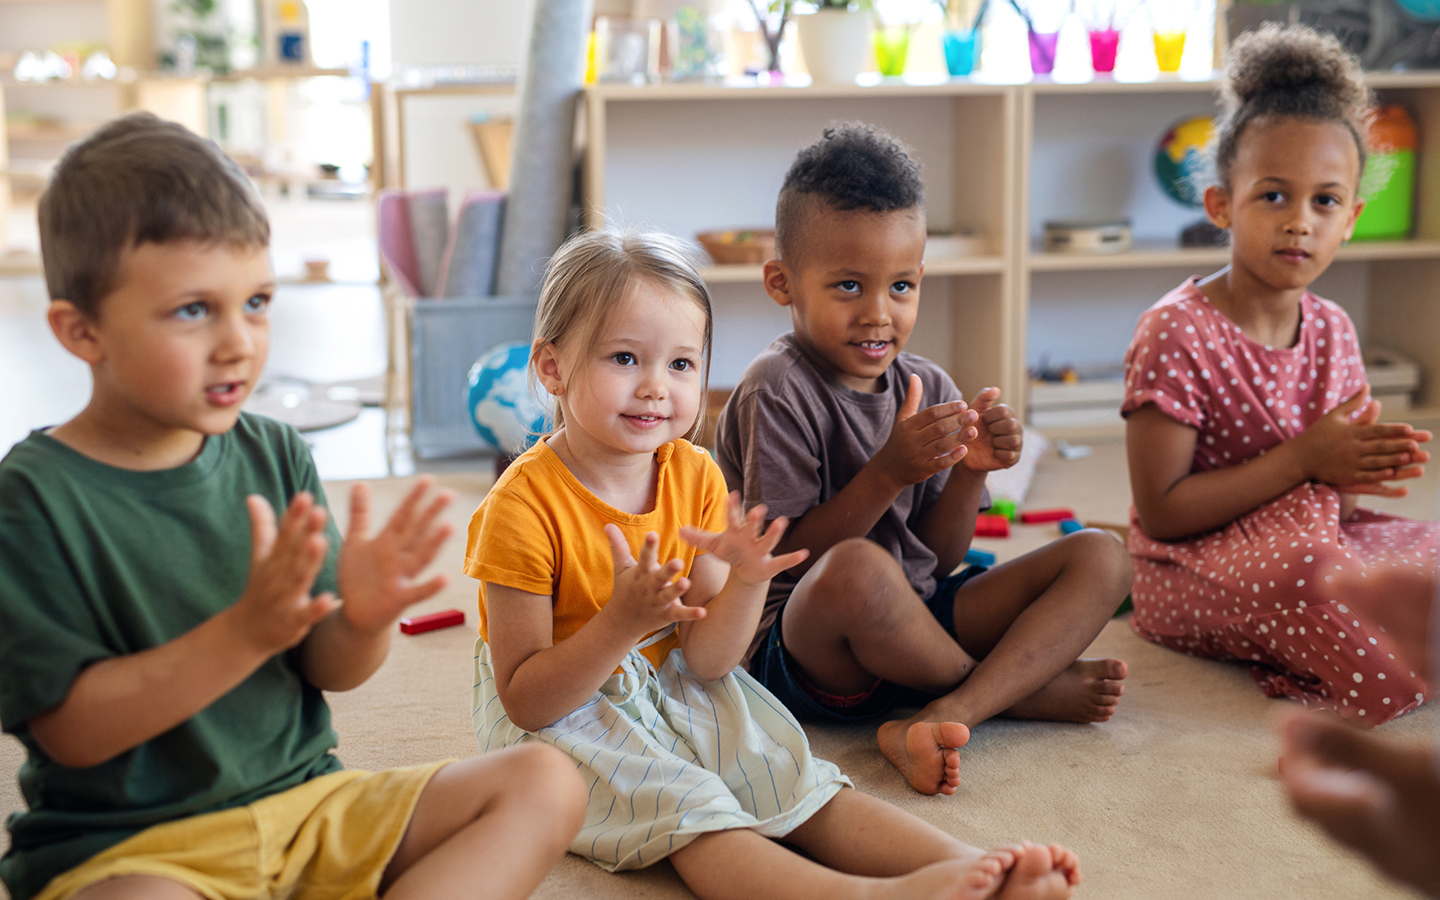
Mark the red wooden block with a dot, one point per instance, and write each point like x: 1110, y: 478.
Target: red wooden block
x: 991, y: 526
x: 1036, y: 516
x: 421, y: 624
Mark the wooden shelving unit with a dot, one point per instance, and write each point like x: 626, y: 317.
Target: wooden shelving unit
x: 687, y: 157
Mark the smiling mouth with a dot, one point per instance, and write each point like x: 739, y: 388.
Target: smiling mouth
x: 872, y: 349
x: 225, y: 393
x: 645, y: 421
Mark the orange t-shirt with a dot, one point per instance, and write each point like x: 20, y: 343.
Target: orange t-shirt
x: 541, y: 531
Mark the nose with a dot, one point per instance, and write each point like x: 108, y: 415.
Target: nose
x: 876, y: 310
x: 1299, y: 223
x: 238, y: 338
x: 654, y: 385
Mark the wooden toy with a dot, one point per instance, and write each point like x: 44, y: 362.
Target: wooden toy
x: 977, y: 557
x: 991, y: 526
x: 1004, y: 508
x: 1041, y: 516
x: 422, y: 624
x: 1070, y: 526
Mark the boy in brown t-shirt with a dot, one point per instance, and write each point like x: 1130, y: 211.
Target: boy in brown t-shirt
x: 826, y: 427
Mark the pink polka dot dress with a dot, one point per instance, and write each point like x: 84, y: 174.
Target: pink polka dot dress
x: 1253, y: 590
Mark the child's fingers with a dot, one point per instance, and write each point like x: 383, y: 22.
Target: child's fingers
x: 912, y: 399
x: 698, y: 537
x: 423, y: 591
x: 318, y: 608
x: 663, y: 577
x: 359, y: 512
x: 985, y: 399
x: 425, y: 554
x: 1354, y: 403
x: 262, y: 527
x: 674, y: 590
x: 1421, y: 436
x: 619, y: 548
x: 679, y: 612
x: 1384, y: 460
x: 650, y: 552
x: 400, y: 519
x: 423, y: 529
x: 785, y: 561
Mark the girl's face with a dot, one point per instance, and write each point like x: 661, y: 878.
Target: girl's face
x: 1291, y: 202
x: 638, y: 385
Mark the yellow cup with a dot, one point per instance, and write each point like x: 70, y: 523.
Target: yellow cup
x: 1169, y: 47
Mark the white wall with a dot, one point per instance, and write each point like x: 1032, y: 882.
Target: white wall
x: 459, y: 32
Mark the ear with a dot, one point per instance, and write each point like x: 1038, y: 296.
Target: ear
x: 547, y: 367
x: 777, y: 281
x: 75, y: 331
x: 1354, y: 217
x: 1217, y: 206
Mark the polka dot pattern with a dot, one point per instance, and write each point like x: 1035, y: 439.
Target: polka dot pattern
x: 1254, y: 590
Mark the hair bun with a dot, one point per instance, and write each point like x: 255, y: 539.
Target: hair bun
x: 1294, y: 59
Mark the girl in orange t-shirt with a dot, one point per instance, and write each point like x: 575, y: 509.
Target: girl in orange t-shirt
x: 630, y: 665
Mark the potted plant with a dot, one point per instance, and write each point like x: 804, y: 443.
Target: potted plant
x: 836, y: 39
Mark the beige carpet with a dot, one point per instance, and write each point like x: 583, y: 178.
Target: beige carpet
x: 1176, y: 797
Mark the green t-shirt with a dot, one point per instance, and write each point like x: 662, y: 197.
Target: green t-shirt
x: 97, y: 562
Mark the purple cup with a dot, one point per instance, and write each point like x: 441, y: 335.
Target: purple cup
x: 1042, y: 51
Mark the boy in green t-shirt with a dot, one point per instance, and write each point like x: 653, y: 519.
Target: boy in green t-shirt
x: 163, y: 640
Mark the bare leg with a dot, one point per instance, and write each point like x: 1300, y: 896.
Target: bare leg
x: 1027, y: 620
x: 502, y: 819
x: 137, y: 887
x: 862, y: 847
x: 1379, y: 798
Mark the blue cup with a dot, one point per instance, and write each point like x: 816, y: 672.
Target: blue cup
x: 962, y: 46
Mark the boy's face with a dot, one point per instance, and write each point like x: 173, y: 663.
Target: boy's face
x: 853, y: 289
x: 179, y: 343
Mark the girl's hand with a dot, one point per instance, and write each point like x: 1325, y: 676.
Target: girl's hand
x: 745, y: 545
x: 1352, y: 450
x: 999, y: 434
x: 647, y: 595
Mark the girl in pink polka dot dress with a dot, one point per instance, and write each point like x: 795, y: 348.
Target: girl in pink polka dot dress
x: 1249, y: 425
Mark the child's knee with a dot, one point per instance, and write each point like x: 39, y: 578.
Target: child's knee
x: 544, y: 777
x: 854, y: 579
x: 1107, y: 558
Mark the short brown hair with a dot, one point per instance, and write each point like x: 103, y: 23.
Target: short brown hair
x: 1288, y: 72
x: 139, y: 180
x: 593, y: 272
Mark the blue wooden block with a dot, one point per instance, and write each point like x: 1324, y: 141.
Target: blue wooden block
x: 976, y: 557
x: 1070, y: 526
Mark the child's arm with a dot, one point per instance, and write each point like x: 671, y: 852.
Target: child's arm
x: 118, y: 704
x: 539, y: 681
x: 948, y: 527
x: 376, y: 578
x: 729, y: 580
x: 922, y: 442
x: 1356, y: 456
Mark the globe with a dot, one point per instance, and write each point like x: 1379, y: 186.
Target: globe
x: 1180, y: 160
x: 1424, y: 10
x: 502, y: 408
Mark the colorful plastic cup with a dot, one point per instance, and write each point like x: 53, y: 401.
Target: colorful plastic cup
x: 1042, y: 51
x: 962, y: 48
x: 1104, y: 46
x: 1169, y: 48
x: 892, y: 43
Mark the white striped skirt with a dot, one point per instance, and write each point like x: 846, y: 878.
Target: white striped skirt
x: 668, y: 756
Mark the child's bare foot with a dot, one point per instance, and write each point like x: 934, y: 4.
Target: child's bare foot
x: 1042, y: 873
x: 926, y: 753
x: 1087, y: 691
x: 958, y: 879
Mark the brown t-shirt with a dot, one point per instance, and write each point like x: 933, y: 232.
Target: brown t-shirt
x: 792, y: 437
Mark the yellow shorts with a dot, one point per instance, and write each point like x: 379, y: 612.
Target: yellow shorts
x: 327, y: 839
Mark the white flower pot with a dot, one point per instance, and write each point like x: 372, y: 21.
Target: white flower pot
x: 836, y: 43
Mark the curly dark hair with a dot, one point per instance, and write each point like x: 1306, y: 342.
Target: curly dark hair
x: 852, y: 166
x: 1293, y: 71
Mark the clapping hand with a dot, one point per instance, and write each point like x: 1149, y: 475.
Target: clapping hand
x: 746, y: 544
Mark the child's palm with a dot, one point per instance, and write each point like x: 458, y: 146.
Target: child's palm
x: 377, y: 575
x: 745, y: 544
x: 647, y: 594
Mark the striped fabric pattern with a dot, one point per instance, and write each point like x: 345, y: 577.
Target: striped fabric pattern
x: 668, y: 757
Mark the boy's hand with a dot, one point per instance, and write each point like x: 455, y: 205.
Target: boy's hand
x: 925, y: 441
x: 1000, y: 435
x: 745, y: 545
x: 276, y: 611
x: 376, y: 575
x: 647, y: 595
x: 1352, y: 450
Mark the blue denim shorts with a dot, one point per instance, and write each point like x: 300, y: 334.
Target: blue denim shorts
x: 774, y: 667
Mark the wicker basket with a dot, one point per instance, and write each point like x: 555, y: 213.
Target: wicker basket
x: 739, y: 246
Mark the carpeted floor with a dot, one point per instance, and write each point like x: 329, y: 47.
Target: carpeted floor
x: 1176, y: 797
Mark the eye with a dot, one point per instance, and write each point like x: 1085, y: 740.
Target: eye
x: 257, y: 303
x: 192, y: 312
x: 902, y: 287
x: 1272, y: 196
x: 849, y: 286
x: 683, y: 365
x: 1328, y: 200
x: 623, y: 359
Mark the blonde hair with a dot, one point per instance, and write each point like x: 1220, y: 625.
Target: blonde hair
x: 594, y: 272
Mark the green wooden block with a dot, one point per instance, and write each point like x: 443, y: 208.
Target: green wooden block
x: 1004, y: 508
